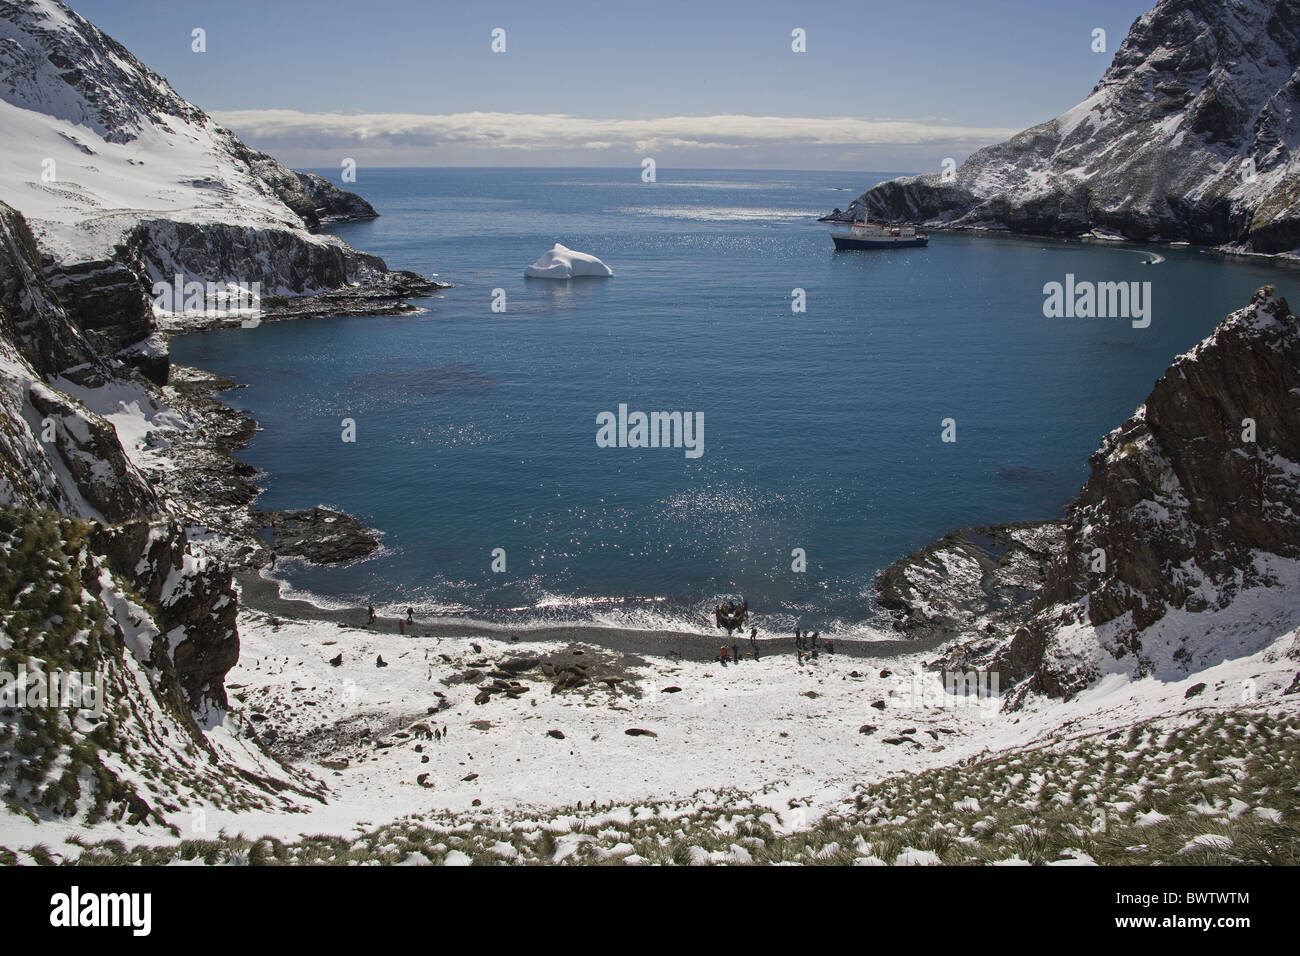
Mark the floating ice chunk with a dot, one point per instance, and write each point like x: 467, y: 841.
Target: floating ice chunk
x: 561, y: 262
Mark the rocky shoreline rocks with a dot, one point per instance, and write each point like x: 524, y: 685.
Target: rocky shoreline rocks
x: 218, y: 490
x: 321, y: 535
x: 384, y: 294
x: 975, y: 580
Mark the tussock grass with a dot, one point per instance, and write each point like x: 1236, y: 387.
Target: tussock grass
x: 1182, y: 790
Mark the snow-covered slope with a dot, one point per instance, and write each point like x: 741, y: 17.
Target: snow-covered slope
x: 124, y: 183
x: 1190, y: 135
x: 104, y: 571
x: 132, y: 751
x: 94, y: 142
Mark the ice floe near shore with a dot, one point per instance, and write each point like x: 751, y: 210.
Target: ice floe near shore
x: 561, y: 262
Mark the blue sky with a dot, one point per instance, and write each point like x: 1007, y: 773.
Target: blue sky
x: 355, y: 78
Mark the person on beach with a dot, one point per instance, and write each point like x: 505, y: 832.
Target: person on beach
x: 272, y: 560
x: 410, y: 615
x: 370, y: 614
x: 753, y: 641
x: 724, y: 655
x: 735, y: 653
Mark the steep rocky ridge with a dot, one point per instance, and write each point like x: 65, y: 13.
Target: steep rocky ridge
x: 133, y: 753
x: 1190, y: 135
x: 113, y: 560
x: 1190, y: 504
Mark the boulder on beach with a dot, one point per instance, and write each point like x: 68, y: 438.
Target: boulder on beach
x: 561, y: 262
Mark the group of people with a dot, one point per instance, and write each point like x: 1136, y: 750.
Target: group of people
x: 402, y: 625
x: 729, y: 615
x: 806, y: 644
x: 811, y: 644
x: 731, y: 655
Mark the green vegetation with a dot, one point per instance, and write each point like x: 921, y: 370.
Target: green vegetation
x: 62, y: 609
x: 1215, y: 788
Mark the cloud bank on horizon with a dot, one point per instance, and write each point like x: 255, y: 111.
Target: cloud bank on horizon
x: 323, y: 139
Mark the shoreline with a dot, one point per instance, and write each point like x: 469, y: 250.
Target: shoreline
x: 257, y: 593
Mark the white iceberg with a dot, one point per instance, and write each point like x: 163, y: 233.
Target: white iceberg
x: 561, y: 262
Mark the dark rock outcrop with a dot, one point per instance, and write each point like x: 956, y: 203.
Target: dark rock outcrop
x: 57, y: 453
x: 107, y: 301
x: 31, y: 313
x: 1190, y: 135
x: 1181, y: 500
x: 1182, y: 495
x: 332, y: 204
x: 195, y: 601
x: 317, y: 200
x: 973, y: 579
x: 319, y: 535
x: 1185, y: 503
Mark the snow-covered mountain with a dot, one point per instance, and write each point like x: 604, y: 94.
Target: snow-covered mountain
x: 123, y: 183
x: 95, y: 143
x: 1191, y: 135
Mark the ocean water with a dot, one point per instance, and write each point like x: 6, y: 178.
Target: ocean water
x: 476, y: 430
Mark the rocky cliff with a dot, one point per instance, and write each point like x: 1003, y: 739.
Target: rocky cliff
x: 1190, y: 514
x: 57, y: 453
x: 1191, y: 135
x: 126, y: 746
x: 125, y: 184
x: 111, y: 566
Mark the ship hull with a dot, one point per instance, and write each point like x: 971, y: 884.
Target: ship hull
x: 880, y: 242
